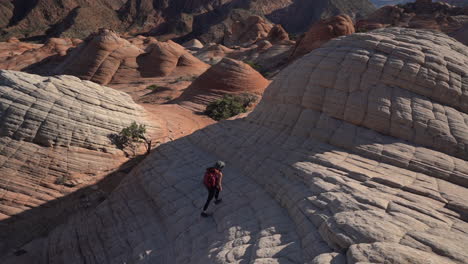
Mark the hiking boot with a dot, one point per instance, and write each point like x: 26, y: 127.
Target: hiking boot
x: 203, y: 214
x: 218, y: 201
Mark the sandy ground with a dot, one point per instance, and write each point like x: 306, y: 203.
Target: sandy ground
x: 176, y: 121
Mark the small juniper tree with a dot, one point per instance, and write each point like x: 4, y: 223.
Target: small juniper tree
x: 135, y: 133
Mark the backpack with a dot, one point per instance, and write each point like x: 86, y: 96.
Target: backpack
x: 211, y: 177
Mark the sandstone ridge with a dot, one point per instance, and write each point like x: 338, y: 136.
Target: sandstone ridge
x: 106, y: 58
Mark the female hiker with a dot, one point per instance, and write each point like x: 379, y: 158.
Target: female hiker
x: 213, y: 181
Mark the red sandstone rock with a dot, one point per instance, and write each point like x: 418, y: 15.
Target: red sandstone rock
x: 227, y: 77
x: 247, y: 32
x: 277, y: 34
x: 105, y: 58
x: 22, y: 56
x: 13, y: 40
x: 322, y: 32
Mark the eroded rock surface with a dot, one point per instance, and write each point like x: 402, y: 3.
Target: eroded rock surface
x: 248, y: 31
x: 321, y: 32
x: 277, y: 34
x: 43, y: 19
x: 106, y: 57
x: 54, y: 140
x: 39, y: 58
x: 193, y: 44
x: 267, y: 57
x: 355, y: 154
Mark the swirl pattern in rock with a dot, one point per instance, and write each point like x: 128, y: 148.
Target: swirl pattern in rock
x: 54, y: 139
x: 356, y: 153
x: 106, y: 58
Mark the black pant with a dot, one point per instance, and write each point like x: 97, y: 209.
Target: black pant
x: 212, y: 192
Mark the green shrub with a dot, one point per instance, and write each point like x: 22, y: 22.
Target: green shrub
x: 229, y: 106
x: 254, y: 65
x: 258, y: 68
x: 188, y: 78
x: 293, y: 36
x: 361, y: 30
x: 153, y: 87
x: 130, y: 136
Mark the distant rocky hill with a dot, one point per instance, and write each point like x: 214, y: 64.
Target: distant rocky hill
x: 380, y: 3
x: 422, y: 14
x: 41, y: 19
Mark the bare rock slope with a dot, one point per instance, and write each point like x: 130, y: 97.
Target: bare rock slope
x: 54, y: 139
x: 357, y: 153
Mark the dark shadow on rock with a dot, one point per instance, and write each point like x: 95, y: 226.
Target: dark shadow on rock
x: 147, y: 66
x: 200, y: 113
x: 118, y: 140
x: 35, y: 39
x: 58, y: 28
x: 221, y: 147
x: 37, y: 222
x: 21, y: 10
x: 157, y: 90
x: 203, y: 23
x: 299, y: 16
x: 290, y: 19
x: 46, y: 66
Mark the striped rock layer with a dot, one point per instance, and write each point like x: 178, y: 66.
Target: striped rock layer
x: 54, y: 139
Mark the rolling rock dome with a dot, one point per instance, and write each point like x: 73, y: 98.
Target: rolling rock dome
x: 229, y: 76
x: 356, y: 153
x: 53, y: 140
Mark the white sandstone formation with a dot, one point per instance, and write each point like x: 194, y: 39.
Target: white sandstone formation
x: 357, y: 153
x: 193, y: 44
x: 54, y: 139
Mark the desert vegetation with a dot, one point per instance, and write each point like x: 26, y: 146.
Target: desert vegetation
x: 258, y: 68
x: 132, y: 136
x: 153, y: 87
x: 229, y: 106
